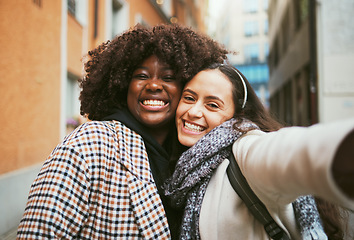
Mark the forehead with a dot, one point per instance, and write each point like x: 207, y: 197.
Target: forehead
x: 211, y: 81
x: 153, y: 60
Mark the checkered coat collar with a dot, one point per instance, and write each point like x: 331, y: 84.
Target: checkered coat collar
x: 136, y: 161
x: 157, y: 155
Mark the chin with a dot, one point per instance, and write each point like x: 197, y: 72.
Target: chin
x: 155, y: 122
x: 187, y: 142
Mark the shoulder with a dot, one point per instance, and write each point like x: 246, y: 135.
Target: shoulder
x: 115, y: 141
x: 246, y: 140
x: 100, y: 137
x: 101, y: 131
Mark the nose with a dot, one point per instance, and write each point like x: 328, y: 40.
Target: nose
x: 195, y: 111
x: 154, y: 84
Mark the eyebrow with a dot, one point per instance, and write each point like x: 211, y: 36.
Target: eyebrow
x: 163, y: 68
x: 208, y: 97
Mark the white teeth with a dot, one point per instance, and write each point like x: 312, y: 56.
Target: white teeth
x: 154, y: 103
x: 193, y: 127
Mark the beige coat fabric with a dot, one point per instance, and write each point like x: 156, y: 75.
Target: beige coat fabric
x: 279, y: 166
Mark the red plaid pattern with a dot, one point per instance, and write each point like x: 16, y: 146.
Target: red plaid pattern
x: 96, y: 184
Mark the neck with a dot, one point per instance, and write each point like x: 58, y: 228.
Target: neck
x: 159, y: 134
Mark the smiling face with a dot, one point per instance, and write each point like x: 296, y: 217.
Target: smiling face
x: 153, y: 93
x: 206, y: 102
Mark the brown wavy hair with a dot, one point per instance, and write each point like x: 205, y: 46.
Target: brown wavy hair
x: 110, y: 66
x: 334, y: 219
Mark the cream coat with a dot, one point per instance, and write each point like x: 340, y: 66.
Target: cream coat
x: 279, y: 167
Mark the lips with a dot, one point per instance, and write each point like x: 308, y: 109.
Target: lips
x: 193, y: 127
x: 154, y: 103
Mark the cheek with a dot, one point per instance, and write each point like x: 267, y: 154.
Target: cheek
x: 133, y: 89
x: 225, y: 118
x: 178, y: 112
x: 181, y: 109
x: 131, y: 96
x: 216, y: 120
x: 174, y: 90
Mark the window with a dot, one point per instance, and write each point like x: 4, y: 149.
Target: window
x: 166, y: 6
x: 266, y: 27
x: 301, y: 8
x: 258, y: 76
x: 250, y: 6
x: 38, y: 2
x: 72, y: 7
x: 304, y: 9
x: 95, y: 21
x: 266, y: 49
x: 72, y: 104
x: 251, y: 52
x: 119, y: 17
x: 251, y: 28
x: 78, y: 9
x: 265, y: 5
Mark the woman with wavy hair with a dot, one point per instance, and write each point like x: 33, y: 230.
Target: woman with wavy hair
x: 224, y: 126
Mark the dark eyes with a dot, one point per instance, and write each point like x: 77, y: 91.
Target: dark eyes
x: 213, y: 105
x: 188, y: 98
x: 191, y: 100
x: 167, y: 78
x: 141, y: 76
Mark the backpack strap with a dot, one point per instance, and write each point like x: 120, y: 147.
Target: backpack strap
x: 252, y: 202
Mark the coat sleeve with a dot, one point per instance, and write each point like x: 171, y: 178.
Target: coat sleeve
x: 294, y: 161
x: 57, y: 202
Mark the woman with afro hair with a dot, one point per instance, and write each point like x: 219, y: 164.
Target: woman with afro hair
x: 104, y: 180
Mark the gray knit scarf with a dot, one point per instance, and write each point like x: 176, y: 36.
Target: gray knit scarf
x: 187, y: 186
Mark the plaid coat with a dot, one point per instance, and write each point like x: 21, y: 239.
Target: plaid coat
x: 96, y: 184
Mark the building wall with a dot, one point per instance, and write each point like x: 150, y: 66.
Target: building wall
x: 75, y: 42
x: 335, y: 34
x: 30, y: 77
x: 238, y: 19
x: 320, y: 58
x: 96, y: 32
x: 242, y: 27
x: 30, y: 82
x: 291, y: 96
x: 193, y: 13
x: 144, y: 11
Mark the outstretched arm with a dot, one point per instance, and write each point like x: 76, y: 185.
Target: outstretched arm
x: 343, y: 165
x: 298, y: 161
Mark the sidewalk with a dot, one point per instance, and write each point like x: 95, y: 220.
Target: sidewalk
x: 11, y: 235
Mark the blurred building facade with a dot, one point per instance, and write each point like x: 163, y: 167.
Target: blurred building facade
x: 311, y: 60
x: 243, y: 27
x: 43, y: 43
